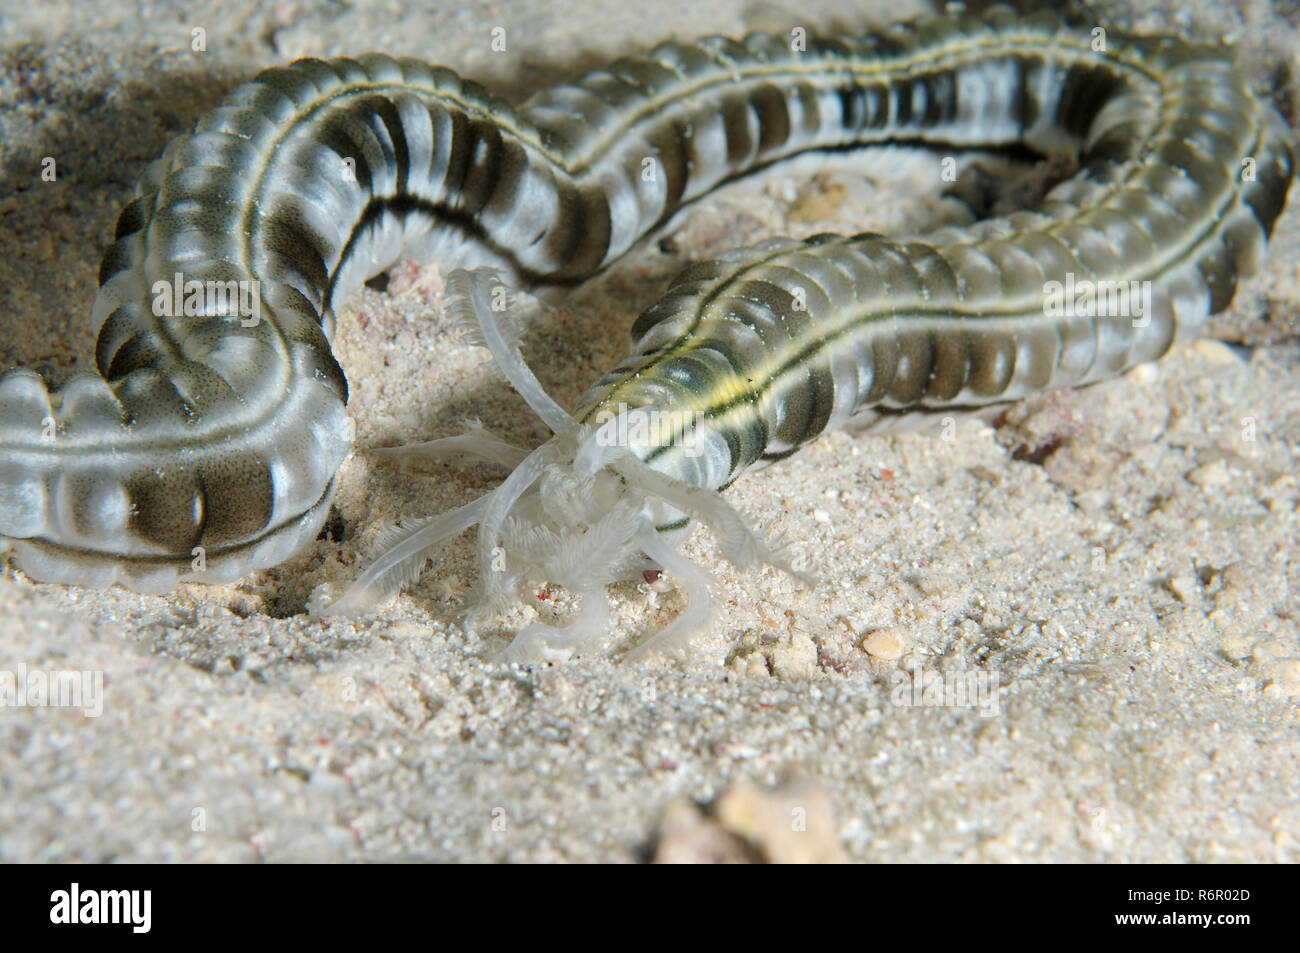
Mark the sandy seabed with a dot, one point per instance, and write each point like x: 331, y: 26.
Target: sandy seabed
x: 1130, y: 597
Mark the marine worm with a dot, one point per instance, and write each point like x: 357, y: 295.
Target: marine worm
x: 208, y: 444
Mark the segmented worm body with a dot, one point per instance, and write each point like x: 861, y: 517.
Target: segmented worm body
x: 209, y: 445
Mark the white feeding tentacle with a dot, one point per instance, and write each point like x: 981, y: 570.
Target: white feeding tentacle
x: 699, y: 603
x: 475, y: 443
x: 559, y: 643
x: 740, y: 545
x: 469, y: 299
x: 405, y: 549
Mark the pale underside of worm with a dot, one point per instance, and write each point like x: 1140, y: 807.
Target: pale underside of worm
x: 208, y: 444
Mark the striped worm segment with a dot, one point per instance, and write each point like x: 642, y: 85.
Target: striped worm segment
x: 1183, y: 173
x: 208, y: 446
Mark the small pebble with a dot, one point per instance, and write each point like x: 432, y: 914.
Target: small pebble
x: 886, y: 644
